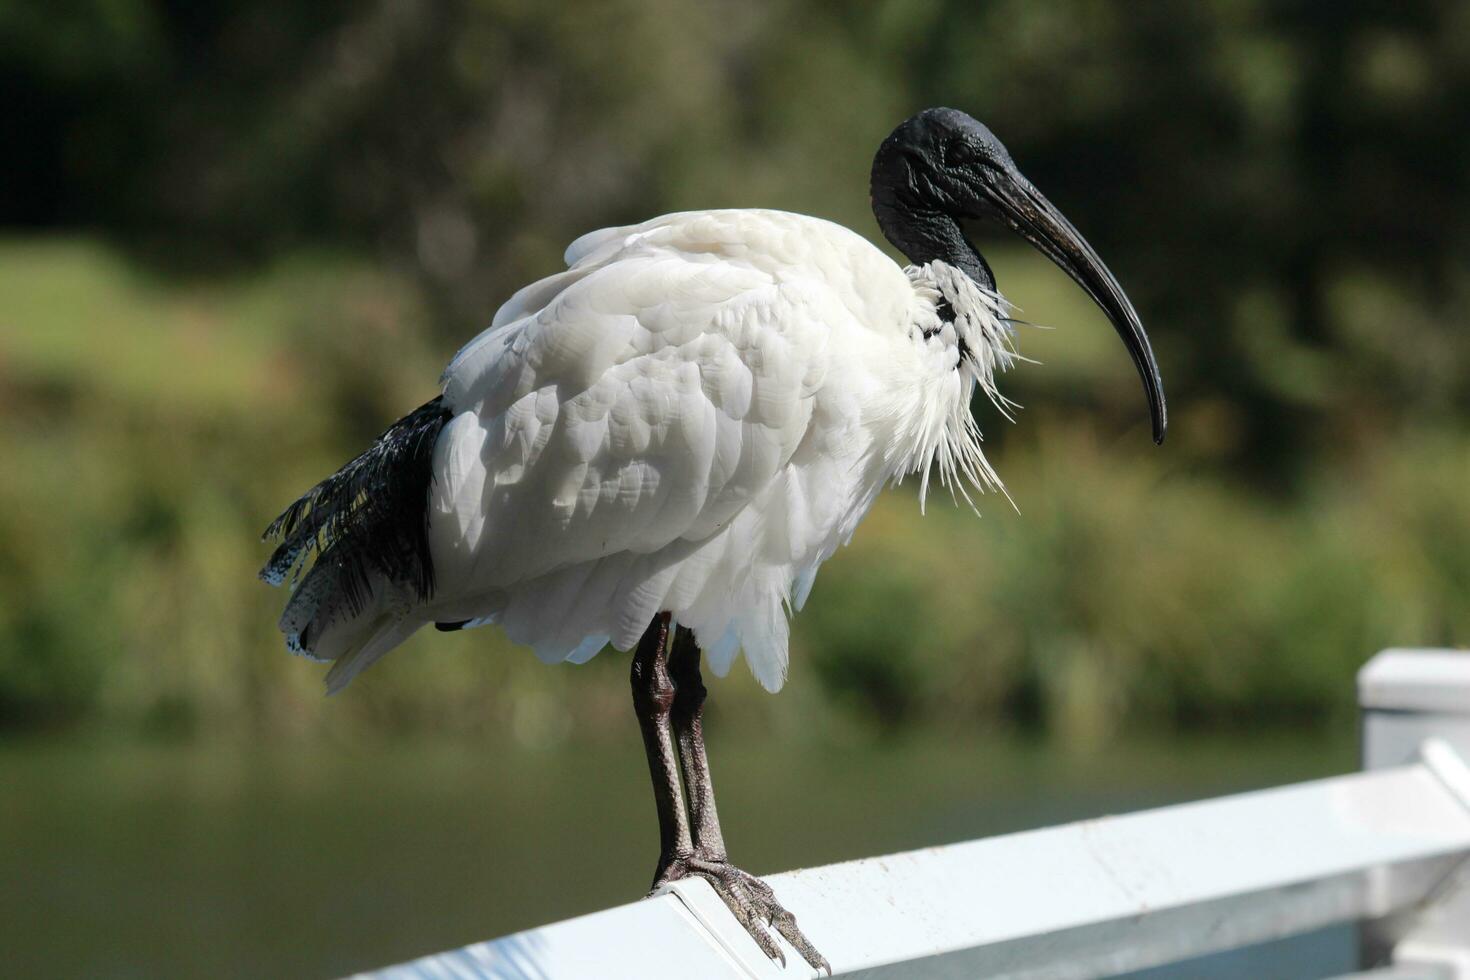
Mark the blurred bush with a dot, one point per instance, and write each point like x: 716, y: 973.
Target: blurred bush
x: 152, y: 427
x: 1268, y: 178
x: 240, y: 239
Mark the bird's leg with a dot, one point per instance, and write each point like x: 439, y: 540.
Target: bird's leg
x: 688, y: 723
x: 653, y: 698
x: 749, y: 899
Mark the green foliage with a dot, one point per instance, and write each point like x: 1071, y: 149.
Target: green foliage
x: 1284, y: 189
x: 1125, y: 594
x: 1132, y: 589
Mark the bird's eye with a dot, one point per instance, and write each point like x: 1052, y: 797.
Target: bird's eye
x: 958, y: 151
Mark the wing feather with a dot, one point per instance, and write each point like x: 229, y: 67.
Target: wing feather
x: 625, y: 435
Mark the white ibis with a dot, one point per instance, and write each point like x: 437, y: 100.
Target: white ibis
x: 657, y: 448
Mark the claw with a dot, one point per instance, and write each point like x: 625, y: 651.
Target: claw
x: 753, y: 904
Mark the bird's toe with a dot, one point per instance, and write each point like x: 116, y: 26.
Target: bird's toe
x: 753, y: 904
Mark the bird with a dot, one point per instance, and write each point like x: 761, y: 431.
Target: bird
x: 656, y: 449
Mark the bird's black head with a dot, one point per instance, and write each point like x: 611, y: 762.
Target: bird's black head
x: 941, y: 167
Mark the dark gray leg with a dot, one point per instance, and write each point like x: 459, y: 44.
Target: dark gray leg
x: 688, y: 718
x: 653, y: 699
x: 749, y: 899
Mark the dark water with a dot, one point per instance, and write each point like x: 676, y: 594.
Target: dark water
x: 314, y: 861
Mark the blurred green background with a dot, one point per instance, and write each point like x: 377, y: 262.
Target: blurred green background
x: 237, y: 240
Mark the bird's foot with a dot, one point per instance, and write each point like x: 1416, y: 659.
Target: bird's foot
x: 750, y: 900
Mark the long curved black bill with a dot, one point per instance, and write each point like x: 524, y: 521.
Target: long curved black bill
x: 1037, y: 220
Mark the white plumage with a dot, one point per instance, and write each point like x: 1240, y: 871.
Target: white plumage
x: 692, y: 417
x: 660, y: 446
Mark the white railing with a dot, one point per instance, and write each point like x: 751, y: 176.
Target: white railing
x: 1387, y: 848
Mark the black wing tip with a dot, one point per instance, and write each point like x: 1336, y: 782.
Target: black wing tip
x: 370, y: 518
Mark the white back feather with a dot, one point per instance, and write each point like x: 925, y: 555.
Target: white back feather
x: 693, y: 417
